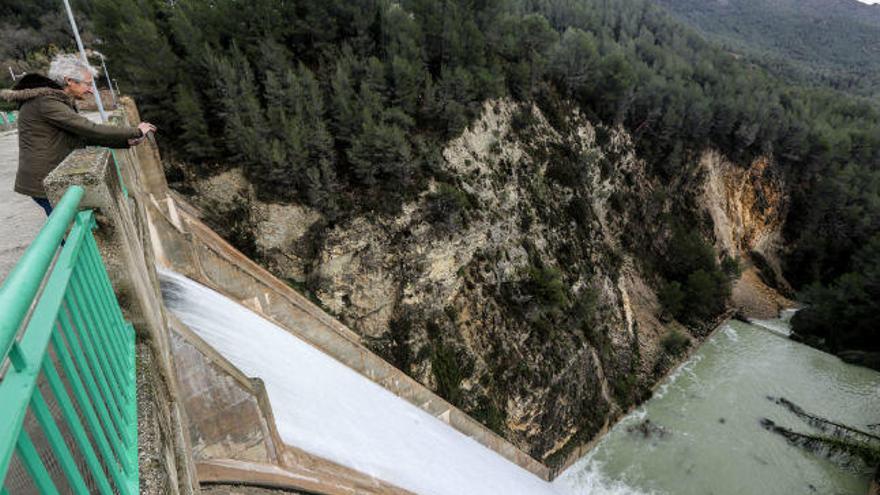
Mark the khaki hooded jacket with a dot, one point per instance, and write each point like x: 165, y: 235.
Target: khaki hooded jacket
x: 49, y: 128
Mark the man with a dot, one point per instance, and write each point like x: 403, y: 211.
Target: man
x: 49, y: 127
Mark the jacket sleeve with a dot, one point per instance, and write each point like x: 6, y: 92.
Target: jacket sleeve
x: 62, y: 116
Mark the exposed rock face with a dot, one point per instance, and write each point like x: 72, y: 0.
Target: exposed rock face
x: 748, y: 207
x: 513, y: 288
x: 491, y: 291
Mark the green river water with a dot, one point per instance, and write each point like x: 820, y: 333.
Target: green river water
x: 710, y: 410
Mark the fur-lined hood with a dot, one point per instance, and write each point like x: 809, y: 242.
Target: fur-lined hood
x: 32, y: 86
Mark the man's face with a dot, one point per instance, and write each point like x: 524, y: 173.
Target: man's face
x: 79, y: 88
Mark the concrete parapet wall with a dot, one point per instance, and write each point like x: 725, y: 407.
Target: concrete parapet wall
x: 187, y: 246
x: 123, y: 240
x: 149, y: 171
x: 88, y: 103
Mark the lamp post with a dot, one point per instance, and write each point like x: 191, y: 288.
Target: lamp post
x: 82, y: 52
x: 107, y: 75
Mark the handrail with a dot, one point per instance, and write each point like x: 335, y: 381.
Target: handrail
x: 23, y: 282
x: 76, y: 340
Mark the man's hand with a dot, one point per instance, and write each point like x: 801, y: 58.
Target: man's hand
x: 146, y: 128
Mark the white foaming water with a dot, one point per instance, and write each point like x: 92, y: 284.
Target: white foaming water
x: 731, y: 333
x: 586, y: 476
x: 325, y: 408
x: 685, y: 368
x: 786, y: 314
x: 780, y: 327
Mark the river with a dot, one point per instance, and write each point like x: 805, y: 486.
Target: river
x: 704, y: 434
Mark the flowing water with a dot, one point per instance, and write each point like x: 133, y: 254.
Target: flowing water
x: 704, y: 434
x: 700, y: 434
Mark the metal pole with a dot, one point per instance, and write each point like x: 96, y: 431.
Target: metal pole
x: 82, y: 52
x: 107, y: 75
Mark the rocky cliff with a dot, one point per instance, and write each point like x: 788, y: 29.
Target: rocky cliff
x: 519, y: 284
x: 748, y: 206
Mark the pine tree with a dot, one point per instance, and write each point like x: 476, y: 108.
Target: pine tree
x: 345, y: 106
x: 195, y: 137
x: 381, y: 152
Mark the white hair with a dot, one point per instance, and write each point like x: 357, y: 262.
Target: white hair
x: 69, y: 65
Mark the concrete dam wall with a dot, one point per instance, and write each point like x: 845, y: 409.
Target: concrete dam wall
x: 216, y: 424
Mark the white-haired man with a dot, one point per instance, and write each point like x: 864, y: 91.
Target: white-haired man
x: 49, y: 127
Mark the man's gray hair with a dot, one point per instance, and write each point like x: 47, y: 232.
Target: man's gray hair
x: 69, y: 65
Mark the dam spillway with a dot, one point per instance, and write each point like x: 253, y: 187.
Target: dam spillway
x: 709, y: 411
x: 326, y: 409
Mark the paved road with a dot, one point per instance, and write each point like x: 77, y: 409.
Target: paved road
x: 20, y: 217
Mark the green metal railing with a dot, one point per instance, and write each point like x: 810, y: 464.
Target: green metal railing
x: 68, y: 416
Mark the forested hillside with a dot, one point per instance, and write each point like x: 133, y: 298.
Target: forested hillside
x: 347, y: 107
x: 344, y: 105
x: 820, y: 43
x: 833, y: 43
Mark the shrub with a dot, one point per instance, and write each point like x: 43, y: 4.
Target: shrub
x: 672, y: 299
x: 522, y: 119
x: 585, y: 308
x: 567, y: 166
x: 580, y: 210
x: 490, y: 415
x: 546, y: 284
x: 706, y: 294
x: 674, y: 343
x: 399, y: 331
x: 449, y: 204
x: 624, y: 389
x: 687, y: 252
x: 696, y: 288
x: 843, y: 314
x: 450, y: 368
x: 730, y: 267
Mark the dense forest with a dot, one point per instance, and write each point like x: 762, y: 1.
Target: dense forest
x: 826, y: 43
x: 345, y: 106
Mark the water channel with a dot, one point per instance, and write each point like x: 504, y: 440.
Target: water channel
x: 704, y: 434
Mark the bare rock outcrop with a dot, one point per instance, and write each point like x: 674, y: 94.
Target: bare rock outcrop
x: 513, y: 285
x: 748, y: 207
